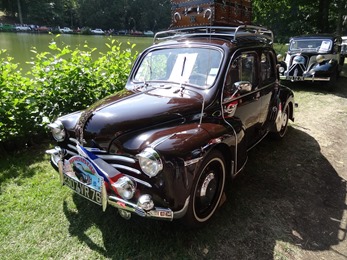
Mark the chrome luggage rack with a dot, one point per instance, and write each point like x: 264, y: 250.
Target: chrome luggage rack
x: 219, y: 31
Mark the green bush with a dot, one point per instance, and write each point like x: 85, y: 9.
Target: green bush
x: 60, y: 81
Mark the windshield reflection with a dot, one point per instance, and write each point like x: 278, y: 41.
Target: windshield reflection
x: 317, y: 45
x: 194, y: 66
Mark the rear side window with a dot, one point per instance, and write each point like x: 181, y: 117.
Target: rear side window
x: 267, y: 67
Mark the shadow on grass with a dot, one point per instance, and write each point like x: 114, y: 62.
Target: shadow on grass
x: 11, y: 168
x: 288, y: 194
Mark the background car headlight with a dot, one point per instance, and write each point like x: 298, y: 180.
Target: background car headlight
x: 320, y: 58
x: 58, y: 130
x: 150, y: 162
x: 299, y: 60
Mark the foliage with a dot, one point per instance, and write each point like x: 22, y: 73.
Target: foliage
x: 59, y: 82
x: 18, y: 104
x: 286, y: 17
x: 105, y: 14
x: 294, y: 17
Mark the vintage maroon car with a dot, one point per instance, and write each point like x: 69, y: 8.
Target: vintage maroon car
x: 195, y: 103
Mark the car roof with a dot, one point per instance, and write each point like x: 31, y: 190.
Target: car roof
x: 316, y: 36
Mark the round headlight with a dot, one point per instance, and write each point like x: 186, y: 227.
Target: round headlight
x: 299, y: 60
x: 58, y: 130
x: 320, y: 58
x: 281, y: 69
x: 150, y: 162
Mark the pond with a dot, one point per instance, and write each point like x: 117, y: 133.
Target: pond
x: 18, y: 45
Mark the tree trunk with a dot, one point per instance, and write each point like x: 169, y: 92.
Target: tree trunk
x: 20, y: 12
x: 323, y: 16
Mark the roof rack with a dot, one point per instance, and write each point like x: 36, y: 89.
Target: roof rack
x: 219, y: 31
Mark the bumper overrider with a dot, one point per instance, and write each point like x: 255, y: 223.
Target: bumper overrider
x: 85, y: 175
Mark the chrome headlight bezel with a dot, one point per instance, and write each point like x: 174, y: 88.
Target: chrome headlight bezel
x: 125, y: 187
x: 150, y: 162
x: 58, y: 130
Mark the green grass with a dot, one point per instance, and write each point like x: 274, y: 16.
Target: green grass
x: 42, y: 220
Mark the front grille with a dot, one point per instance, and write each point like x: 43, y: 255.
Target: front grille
x: 123, y: 164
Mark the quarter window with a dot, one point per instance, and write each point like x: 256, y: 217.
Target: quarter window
x: 266, y: 67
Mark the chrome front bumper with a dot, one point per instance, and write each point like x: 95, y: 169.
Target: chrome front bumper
x: 303, y: 78
x: 125, y: 207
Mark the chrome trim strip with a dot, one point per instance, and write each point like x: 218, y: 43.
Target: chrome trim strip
x: 258, y: 141
x: 157, y: 212
x: 140, y: 181
x: 123, y: 167
x: 317, y: 79
x: 183, y: 211
x: 304, y: 78
x: 71, y: 153
x: 74, y: 140
x: 192, y: 161
x: 243, y: 166
x: 95, y: 150
x: 52, y: 151
x: 72, y: 147
x: 116, y: 157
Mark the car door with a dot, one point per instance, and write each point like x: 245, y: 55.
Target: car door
x: 243, y: 106
x: 268, y: 82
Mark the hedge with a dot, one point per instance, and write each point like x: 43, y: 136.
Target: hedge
x: 60, y: 81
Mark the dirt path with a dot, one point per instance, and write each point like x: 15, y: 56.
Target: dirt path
x: 323, y: 117
x: 291, y: 200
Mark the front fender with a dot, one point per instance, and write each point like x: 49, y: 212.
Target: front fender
x: 178, y: 141
x: 324, y: 68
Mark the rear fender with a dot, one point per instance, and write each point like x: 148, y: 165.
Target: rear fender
x: 284, y: 97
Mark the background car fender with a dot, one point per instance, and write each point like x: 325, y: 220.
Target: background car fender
x: 326, y: 66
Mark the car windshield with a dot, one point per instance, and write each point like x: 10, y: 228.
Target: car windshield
x: 311, y: 45
x: 195, y: 66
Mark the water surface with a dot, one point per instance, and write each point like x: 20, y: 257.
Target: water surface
x: 18, y: 45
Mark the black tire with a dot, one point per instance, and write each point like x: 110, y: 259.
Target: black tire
x: 207, y: 190
x: 332, y: 82
x: 284, y: 125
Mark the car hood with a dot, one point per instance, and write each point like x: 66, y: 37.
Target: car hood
x: 127, y: 111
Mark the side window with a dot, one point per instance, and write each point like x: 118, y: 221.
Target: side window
x: 267, y: 67
x: 242, y: 68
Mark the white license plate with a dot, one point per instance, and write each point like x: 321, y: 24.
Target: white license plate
x: 83, y: 190
x: 297, y: 78
x: 79, y: 174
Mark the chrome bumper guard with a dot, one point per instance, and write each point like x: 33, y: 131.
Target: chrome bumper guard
x: 124, y: 205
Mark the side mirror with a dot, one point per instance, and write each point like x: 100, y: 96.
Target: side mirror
x: 242, y: 87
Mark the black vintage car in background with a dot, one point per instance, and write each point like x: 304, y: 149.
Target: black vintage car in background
x: 314, y: 58
x: 195, y: 103
x: 344, y: 46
